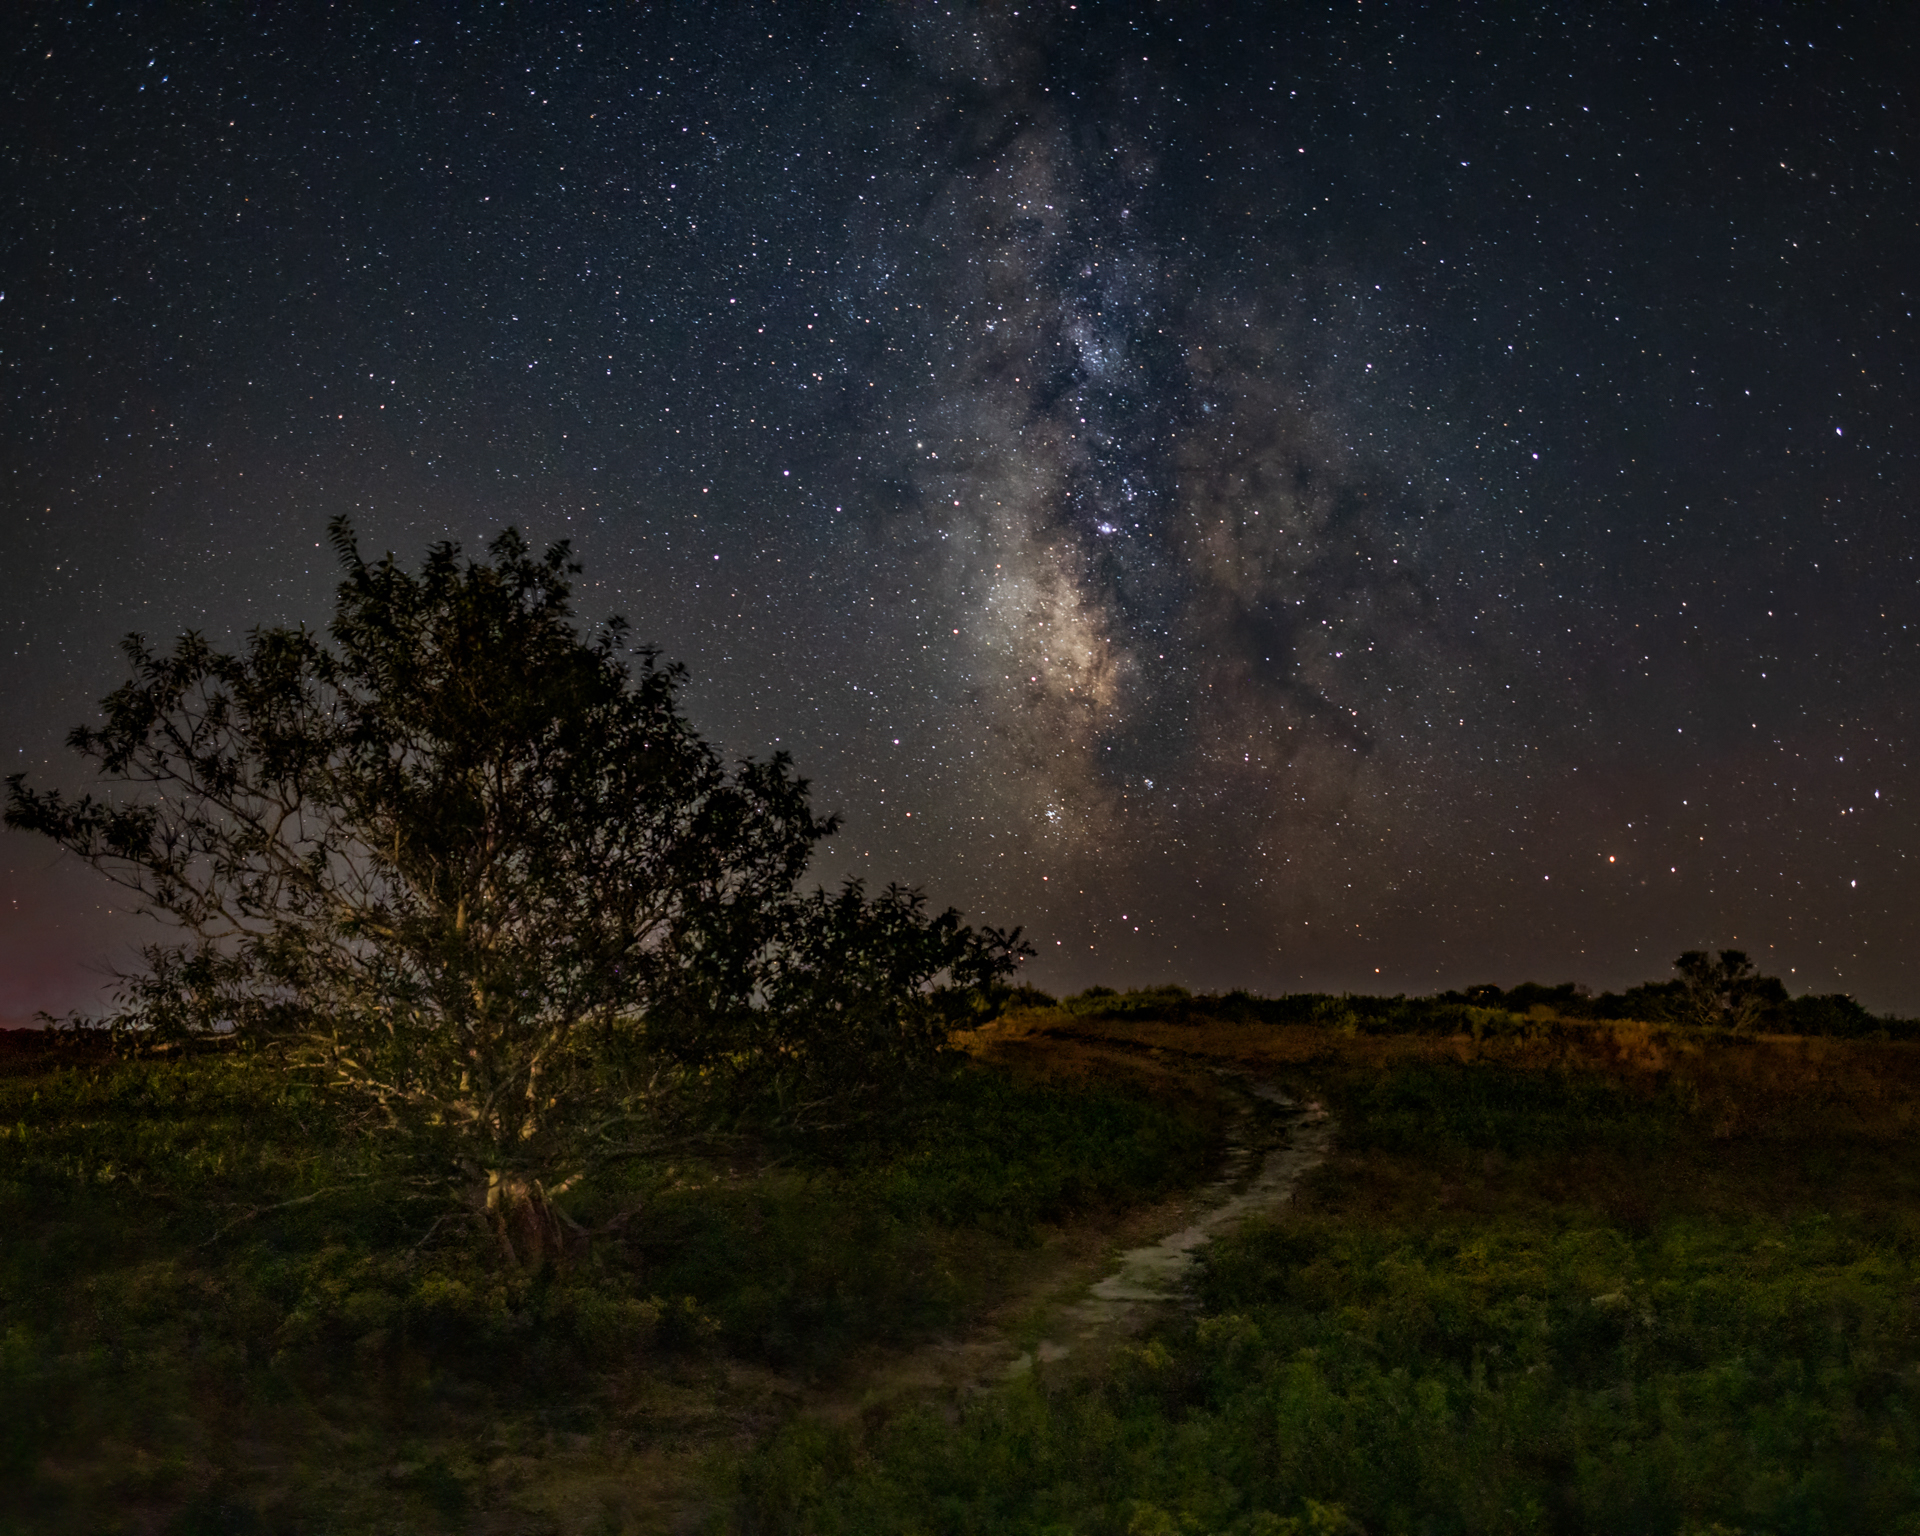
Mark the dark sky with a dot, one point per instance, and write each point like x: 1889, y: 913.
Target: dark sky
x: 1372, y: 496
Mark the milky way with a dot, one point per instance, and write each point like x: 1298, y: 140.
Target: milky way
x: 1378, y: 498
x: 1176, y: 577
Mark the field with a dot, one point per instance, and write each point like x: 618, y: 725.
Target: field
x: 1563, y: 1277
x: 183, y: 1350
x: 1557, y: 1275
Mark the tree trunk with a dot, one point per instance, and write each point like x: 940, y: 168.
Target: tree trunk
x: 524, y: 1220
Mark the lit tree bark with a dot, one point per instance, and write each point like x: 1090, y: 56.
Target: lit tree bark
x: 482, y: 874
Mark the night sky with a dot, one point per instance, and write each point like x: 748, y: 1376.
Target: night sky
x: 1371, y: 497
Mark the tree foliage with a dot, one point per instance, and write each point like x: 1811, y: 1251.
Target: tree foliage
x: 483, y: 874
x: 1726, y: 991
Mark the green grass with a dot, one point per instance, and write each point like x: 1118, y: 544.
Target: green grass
x: 174, y: 1357
x: 1519, y: 1298
x: 886, y: 1241
x: 1557, y: 1276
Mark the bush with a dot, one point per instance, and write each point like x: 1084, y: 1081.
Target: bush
x: 1449, y: 1334
x: 166, y: 1307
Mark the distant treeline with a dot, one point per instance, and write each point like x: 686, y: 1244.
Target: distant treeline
x: 1479, y: 1010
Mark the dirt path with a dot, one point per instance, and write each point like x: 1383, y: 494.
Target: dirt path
x: 1070, y: 1316
x: 1092, y: 1287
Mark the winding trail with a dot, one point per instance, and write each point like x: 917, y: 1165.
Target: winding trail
x: 1153, y: 1276
x: 1061, y: 1317
x: 1063, y: 1322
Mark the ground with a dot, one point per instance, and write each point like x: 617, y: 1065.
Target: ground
x: 1552, y: 1275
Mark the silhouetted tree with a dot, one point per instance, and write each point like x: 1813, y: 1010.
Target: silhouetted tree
x: 1832, y: 1013
x: 845, y: 1009
x: 487, y: 878
x: 1725, y: 992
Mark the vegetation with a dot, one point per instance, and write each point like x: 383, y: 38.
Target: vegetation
x: 1561, y: 1273
x: 1567, y: 1275
x: 467, y: 869
x: 1712, y: 995
x: 215, y: 1317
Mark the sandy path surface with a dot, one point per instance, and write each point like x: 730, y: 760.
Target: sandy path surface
x: 1091, y: 1288
x: 1069, y: 1317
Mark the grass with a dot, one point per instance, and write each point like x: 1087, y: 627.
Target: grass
x: 181, y: 1350
x: 1566, y: 1276
x: 1560, y: 1274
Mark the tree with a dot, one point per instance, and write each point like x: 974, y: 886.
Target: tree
x: 845, y: 1008
x: 1726, y: 993
x: 477, y: 871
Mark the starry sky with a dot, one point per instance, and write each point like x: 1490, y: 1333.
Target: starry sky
x: 1372, y: 496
